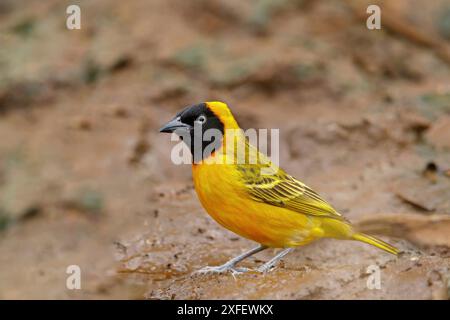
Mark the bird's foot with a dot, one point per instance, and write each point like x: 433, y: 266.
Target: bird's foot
x: 222, y: 269
x: 264, y: 268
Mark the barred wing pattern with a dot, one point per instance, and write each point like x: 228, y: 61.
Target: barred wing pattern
x: 283, y: 190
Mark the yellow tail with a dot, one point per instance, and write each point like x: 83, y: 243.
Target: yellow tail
x: 375, y: 242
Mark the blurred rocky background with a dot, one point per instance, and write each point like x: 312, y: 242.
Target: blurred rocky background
x: 85, y: 178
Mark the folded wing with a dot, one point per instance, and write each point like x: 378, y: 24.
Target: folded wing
x: 282, y: 190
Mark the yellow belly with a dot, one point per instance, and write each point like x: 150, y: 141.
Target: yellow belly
x: 225, y: 199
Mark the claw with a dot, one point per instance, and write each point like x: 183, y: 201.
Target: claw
x: 263, y: 269
x: 222, y: 269
x: 239, y: 270
x: 209, y: 269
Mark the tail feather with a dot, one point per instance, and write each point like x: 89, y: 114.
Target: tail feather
x: 376, y: 242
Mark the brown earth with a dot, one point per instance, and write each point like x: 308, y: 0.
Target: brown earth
x: 85, y: 178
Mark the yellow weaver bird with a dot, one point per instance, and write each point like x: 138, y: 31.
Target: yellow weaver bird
x: 271, y: 208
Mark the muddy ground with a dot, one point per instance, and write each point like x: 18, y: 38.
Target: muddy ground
x: 85, y: 178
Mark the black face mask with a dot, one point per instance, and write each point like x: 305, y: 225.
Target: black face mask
x: 199, y: 128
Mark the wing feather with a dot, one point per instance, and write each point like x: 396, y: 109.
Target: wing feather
x: 282, y: 190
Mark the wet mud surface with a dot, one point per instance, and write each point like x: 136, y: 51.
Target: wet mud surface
x: 86, y: 179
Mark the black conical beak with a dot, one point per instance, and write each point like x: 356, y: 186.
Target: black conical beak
x: 173, y: 125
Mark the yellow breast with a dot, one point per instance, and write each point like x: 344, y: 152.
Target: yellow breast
x: 224, y: 197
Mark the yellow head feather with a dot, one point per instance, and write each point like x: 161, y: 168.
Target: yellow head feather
x: 221, y: 110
